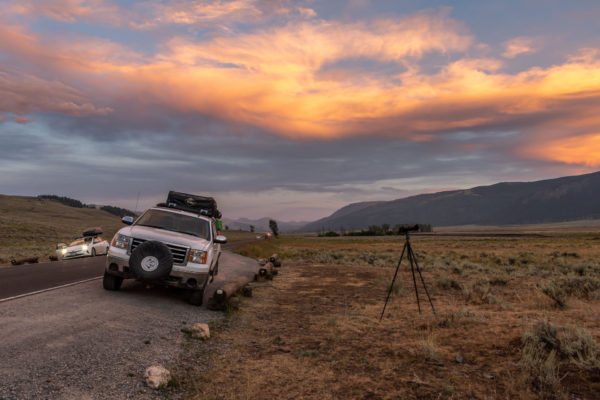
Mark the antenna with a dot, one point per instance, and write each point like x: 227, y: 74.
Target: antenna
x: 137, y: 202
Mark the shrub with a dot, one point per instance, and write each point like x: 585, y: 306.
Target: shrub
x: 538, y: 358
x: 545, y: 346
x: 479, y: 292
x: 556, y: 293
x: 580, y: 347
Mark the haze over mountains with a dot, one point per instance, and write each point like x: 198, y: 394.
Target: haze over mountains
x: 507, y: 203
x: 262, y: 224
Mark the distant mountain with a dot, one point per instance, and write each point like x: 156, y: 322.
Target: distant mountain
x: 262, y: 224
x: 507, y: 203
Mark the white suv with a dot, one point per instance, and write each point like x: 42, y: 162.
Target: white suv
x: 168, y: 246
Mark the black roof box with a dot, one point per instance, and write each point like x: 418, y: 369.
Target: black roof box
x: 192, y: 203
x: 92, y: 231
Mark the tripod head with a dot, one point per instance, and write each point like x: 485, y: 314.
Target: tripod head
x: 404, y: 229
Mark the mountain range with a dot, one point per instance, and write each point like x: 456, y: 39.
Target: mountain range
x: 507, y: 203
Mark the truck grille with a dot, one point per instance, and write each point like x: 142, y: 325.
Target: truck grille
x: 179, y: 252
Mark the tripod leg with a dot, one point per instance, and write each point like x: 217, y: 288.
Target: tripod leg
x: 393, y: 281
x: 422, y: 280
x: 412, y: 269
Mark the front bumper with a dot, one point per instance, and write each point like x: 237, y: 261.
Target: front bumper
x: 119, y: 266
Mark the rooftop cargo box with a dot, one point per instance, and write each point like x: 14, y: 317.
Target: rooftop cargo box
x: 193, y: 203
x: 96, y: 231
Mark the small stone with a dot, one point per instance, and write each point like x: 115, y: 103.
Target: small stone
x: 157, y: 376
x: 459, y: 358
x: 489, y: 376
x: 200, y: 331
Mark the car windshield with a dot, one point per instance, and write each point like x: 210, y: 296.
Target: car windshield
x: 175, y: 222
x: 76, y: 242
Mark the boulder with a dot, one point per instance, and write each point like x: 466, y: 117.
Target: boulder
x: 200, y: 331
x: 157, y: 376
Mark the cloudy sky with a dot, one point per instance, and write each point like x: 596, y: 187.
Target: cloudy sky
x: 292, y: 109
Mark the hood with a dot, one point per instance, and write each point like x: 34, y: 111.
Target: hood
x: 176, y: 238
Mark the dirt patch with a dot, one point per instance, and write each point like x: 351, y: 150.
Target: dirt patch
x: 314, y: 331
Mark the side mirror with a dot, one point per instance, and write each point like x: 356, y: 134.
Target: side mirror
x: 220, y: 239
x: 127, y: 220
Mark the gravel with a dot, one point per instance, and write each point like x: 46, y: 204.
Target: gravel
x: 83, y: 342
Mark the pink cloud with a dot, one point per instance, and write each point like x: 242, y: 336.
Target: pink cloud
x: 27, y: 94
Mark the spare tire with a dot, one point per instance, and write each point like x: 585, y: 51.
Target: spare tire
x: 151, y: 260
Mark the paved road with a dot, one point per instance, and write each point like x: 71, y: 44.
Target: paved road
x: 21, y: 279
x: 83, y: 342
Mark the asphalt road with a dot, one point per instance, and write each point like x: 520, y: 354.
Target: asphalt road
x: 22, y: 279
x: 84, y: 342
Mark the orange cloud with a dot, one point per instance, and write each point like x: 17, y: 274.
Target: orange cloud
x: 516, y: 46
x: 581, y: 150
x: 303, y: 80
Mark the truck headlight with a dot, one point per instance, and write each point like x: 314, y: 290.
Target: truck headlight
x: 121, y: 241
x: 198, y: 256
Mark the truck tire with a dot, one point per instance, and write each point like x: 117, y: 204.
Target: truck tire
x: 196, y: 297
x: 111, y: 282
x: 150, y: 261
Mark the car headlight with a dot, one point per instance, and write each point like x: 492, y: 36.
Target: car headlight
x: 121, y: 241
x: 84, y: 247
x: 63, y: 251
x: 198, y: 256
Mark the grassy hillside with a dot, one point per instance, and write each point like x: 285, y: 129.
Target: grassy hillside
x: 31, y: 227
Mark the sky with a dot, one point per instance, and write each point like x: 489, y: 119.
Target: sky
x: 293, y: 109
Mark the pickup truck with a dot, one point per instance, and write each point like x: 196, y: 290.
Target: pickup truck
x: 170, y: 244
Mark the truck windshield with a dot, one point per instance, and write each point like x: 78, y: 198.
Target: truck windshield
x: 175, y: 222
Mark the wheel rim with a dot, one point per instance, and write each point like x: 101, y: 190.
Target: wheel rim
x: 149, y: 263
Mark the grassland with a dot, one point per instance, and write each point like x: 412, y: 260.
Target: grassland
x: 517, y: 317
x: 31, y: 227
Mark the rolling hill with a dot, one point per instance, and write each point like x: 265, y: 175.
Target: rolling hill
x: 508, y: 203
x: 30, y: 226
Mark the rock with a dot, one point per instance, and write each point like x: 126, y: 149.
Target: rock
x: 233, y: 303
x: 459, y: 358
x: 489, y: 376
x: 247, y: 291
x: 157, y: 376
x: 200, y: 331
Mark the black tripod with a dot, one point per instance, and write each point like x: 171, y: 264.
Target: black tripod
x: 413, y: 263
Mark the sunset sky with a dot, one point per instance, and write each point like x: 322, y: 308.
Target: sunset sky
x: 292, y: 109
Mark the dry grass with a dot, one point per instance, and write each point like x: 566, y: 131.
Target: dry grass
x: 314, y: 331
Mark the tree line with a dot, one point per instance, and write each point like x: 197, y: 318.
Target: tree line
x: 67, y: 201
x: 374, y: 230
